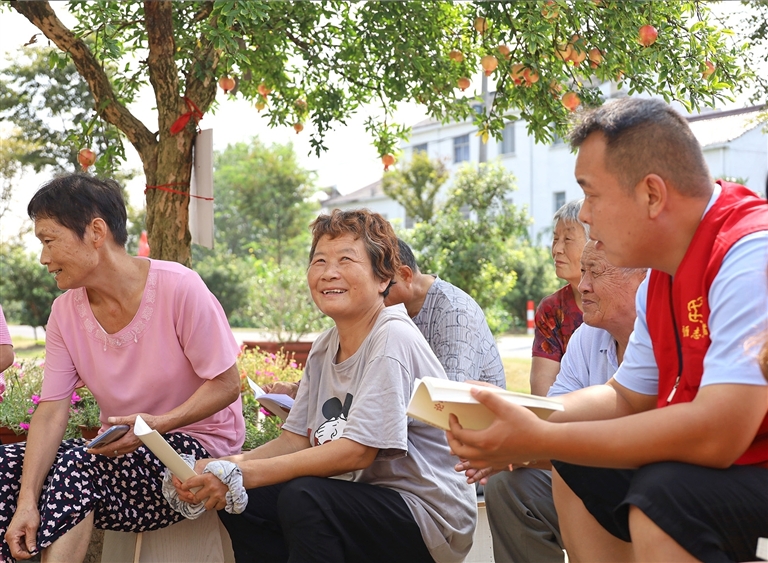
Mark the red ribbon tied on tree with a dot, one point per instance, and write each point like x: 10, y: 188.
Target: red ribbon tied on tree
x: 193, y: 113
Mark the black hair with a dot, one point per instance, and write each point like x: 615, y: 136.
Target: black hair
x: 406, y: 256
x: 75, y: 200
x: 647, y: 136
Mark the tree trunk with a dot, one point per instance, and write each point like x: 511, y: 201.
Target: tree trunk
x: 167, y: 159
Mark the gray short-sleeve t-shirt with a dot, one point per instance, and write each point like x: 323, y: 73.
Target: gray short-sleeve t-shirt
x: 364, y: 398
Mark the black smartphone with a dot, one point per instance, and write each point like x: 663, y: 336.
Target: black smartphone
x: 109, y: 436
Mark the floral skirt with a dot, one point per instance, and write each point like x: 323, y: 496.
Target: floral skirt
x: 125, y: 493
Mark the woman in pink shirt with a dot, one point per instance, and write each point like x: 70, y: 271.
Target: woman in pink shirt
x: 146, y: 337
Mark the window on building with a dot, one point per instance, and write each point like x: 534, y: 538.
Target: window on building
x: 507, y: 144
x: 558, y: 200
x: 461, y: 148
x: 409, y: 222
x: 557, y: 140
x: 420, y: 148
x: 478, y: 108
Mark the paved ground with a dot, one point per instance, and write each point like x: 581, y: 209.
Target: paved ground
x: 510, y: 346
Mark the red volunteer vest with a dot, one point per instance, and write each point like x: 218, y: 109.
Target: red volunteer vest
x: 678, y: 310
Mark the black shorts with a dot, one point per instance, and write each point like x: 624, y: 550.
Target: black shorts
x: 714, y: 514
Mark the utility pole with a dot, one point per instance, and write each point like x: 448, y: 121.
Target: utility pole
x: 482, y: 153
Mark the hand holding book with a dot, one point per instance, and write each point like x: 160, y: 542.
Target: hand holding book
x: 434, y: 399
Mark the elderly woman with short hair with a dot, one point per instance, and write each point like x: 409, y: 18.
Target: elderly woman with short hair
x: 351, y: 477
x: 559, y: 314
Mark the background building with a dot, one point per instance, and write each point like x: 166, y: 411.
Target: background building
x: 734, y: 143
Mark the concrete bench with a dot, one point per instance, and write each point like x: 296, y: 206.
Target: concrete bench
x: 482, y: 546
x: 190, y: 541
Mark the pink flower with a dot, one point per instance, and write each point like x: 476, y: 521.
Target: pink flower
x: 36, y: 399
x: 31, y: 410
x: 293, y: 364
x: 75, y: 397
x: 24, y: 425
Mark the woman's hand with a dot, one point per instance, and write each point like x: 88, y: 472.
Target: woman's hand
x: 21, y: 534
x: 129, y: 442
x: 205, y: 488
x: 282, y: 387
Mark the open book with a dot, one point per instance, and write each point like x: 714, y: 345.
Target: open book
x: 163, y: 450
x: 433, y: 399
x: 276, y: 403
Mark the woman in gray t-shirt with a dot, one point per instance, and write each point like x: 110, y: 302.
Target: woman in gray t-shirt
x: 351, y: 477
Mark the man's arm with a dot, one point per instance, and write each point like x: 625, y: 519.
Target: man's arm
x: 713, y: 430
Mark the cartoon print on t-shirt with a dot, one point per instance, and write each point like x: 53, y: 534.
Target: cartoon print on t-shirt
x: 335, y: 420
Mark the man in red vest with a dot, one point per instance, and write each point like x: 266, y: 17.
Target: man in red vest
x: 668, y: 461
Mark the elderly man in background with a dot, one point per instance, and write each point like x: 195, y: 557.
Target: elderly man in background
x: 451, y: 321
x: 521, y: 510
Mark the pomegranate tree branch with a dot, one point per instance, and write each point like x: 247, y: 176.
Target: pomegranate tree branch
x: 109, y: 108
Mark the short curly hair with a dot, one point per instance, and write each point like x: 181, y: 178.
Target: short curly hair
x: 374, y: 230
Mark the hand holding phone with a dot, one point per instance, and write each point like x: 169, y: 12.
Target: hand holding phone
x: 110, y: 435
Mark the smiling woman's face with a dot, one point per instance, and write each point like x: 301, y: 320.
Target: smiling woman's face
x: 341, y: 279
x: 68, y: 258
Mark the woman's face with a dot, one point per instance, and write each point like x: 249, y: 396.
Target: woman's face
x: 567, y: 244
x: 341, y: 279
x: 68, y: 258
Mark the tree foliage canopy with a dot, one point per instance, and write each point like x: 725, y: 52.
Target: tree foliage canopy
x: 53, y: 113
x: 26, y: 285
x: 417, y: 186
x: 471, y: 239
x: 320, y: 61
x: 262, y: 204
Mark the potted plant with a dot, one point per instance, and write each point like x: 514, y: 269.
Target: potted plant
x: 263, y: 368
x: 84, y: 414
x: 281, y: 304
x: 19, y: 395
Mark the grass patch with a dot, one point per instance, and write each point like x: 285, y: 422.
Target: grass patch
x: 26, y: 348
x: 518, y: 371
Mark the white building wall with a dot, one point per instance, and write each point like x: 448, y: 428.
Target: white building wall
x: 542, y: 171
x: 745, y: 157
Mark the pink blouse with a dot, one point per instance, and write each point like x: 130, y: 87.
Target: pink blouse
x: 178, y: 339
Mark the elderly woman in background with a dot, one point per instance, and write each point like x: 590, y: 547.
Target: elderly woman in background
x: 394, y: 495
x: 146, y: 337
x: 559, y: 314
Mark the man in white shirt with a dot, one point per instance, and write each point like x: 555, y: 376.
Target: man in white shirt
x: 521, y: 510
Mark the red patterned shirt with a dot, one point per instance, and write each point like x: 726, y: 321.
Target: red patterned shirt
x: 556, y: 318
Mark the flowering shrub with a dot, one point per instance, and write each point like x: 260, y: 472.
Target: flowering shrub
x: 263, y: 368
x: 20, y: 394
x: 84, y: 410
x: 20, y: 387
